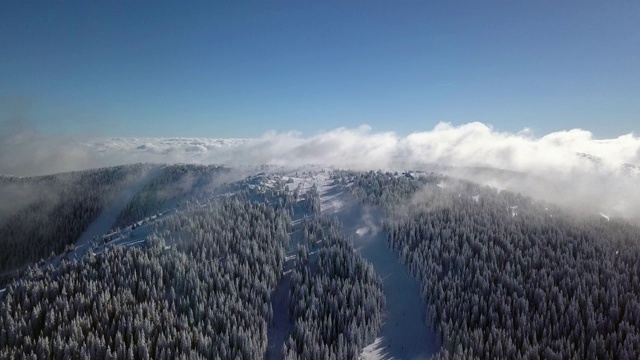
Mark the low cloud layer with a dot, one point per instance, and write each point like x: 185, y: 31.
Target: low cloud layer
x: 469, y: 145
x: 562, y: 162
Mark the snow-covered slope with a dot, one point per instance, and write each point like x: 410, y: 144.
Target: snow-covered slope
x: 404, y: 334
x: 107, y: 218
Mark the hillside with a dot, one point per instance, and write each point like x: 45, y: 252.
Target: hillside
x: 43, y: 215
x: 314, y: 263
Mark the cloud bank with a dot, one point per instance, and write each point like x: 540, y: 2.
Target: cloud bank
x: 470, y: 145
x: 570, y: 163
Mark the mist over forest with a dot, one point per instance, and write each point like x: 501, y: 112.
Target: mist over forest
x: 569, y: 167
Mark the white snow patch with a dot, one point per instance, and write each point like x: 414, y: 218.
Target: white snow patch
x: 290, y: 257
x: 135, y: 242
x: 375, y: 351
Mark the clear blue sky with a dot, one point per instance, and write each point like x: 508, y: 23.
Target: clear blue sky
x: 238, y: 69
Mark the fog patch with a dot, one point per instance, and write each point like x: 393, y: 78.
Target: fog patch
x: 362, y: 231
x: 370, y: 224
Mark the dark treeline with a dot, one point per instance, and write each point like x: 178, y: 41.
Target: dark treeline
x: 199, y: 289
x: 380, y: 188
x: 56, y: 210
x: 174, y: 184
x: 507, y: 277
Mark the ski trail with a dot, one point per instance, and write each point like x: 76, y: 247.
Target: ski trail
x: 103, y: 223
x: 281, y: 325
x: 404, y: 334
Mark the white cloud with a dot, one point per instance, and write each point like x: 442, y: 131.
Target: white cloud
x: 551, y: 162
x: 473, y: 144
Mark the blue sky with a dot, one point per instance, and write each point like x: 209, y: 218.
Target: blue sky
x: 238, y: 69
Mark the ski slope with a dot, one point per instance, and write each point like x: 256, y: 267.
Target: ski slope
x: 103, y: 223
x: 404, y: 334
x: 281, y: 326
